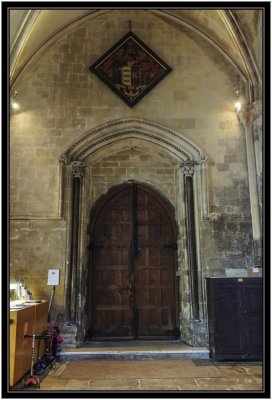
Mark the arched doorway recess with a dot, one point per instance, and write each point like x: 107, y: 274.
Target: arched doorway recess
x: 134, y: 288
x: 191, y: 204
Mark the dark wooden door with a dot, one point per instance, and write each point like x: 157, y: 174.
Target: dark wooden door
x: 133, y: 268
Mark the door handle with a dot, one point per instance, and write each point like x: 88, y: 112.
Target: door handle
x: 128, y: 289
x: 124, y: 290
x: 132, y: 288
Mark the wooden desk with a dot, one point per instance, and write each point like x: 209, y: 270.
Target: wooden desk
x: 29, y: 320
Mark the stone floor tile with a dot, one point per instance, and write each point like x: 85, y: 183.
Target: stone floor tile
x: 255, y: 373
x: 252, y: 386
x: 77, y: 384
x: 116, y: 384
x: 231, y: 370
x: 256, y: 379
x: 254, y: 369
x: 52, y: 379
x: 165, y: 384
x: 159, y: 388
x: 113, y: 388
x: 48, y: 384
x: 224, y: 383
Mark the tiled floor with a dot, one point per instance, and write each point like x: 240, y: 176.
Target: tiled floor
x: 155, y: 375
x: 146, y: 366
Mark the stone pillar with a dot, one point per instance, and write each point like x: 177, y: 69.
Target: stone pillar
x: 246, y: 117
x: 187, y: 168
x: 72, y: 290
x: 257, y: 138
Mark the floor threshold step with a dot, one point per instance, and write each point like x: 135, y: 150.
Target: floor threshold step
x: 134, y: 354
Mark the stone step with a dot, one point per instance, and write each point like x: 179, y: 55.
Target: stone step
x: 134, y: 351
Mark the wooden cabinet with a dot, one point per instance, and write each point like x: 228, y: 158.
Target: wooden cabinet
x: 28, y: 320
x: 235, y: 318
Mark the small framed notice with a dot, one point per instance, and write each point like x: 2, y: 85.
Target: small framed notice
x: 53, y: 277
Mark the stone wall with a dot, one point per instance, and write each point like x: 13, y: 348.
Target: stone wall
x: 136, y: 165
x: 61, y: 100
x: 35, y: 247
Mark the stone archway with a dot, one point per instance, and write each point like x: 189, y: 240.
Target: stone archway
x: 172, y: 142
x: 189, y: 167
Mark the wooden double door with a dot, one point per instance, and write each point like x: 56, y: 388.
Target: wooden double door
x: 133, y: 256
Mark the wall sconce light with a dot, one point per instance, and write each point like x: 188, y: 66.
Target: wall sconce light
x: 14, y: 103
x: 238, y: 102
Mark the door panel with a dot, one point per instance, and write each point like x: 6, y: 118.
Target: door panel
x: 133, y: 292
x: 228, y: 316
x: 154, y: 268
x: 112, y: 313
x: 252, y: 307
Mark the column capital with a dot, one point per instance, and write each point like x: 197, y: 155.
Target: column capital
x: 246, y: 115
x: 188, y: 167
x: 257, y: 108
x: 64, y: 159
x: 257, y: 111
x: 78, y: 168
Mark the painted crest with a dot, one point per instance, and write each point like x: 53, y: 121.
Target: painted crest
x: 130, y: 69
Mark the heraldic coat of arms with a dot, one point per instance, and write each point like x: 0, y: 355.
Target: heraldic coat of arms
x: 130, y: 69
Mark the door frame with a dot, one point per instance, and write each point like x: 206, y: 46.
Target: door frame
x: 94, y: 213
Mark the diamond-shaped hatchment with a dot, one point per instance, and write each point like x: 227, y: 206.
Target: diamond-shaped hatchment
x: 130, y: 69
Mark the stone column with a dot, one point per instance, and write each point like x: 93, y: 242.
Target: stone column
x: 246, y: 117
x: 187, y: 167
x: 72, y: 291
x: 257, y: 138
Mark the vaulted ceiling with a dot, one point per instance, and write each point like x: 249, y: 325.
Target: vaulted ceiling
x: 237, y: 34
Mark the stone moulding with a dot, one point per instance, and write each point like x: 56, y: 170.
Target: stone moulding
x: 173, y: 143
x: 169, y: 140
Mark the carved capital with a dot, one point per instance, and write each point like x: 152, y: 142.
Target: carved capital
x: 257, y: 108
x: 188, y: 167
x: 257, y: 111
x: 64, y: 159
x: 202, y: 160
x: 246, y: 115
x: 78, y: 168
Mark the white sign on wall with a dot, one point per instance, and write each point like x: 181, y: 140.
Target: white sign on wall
x: 53, y: 277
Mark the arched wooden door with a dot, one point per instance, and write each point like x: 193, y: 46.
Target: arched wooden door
x: 133, y: 255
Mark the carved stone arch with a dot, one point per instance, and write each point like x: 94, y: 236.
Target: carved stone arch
x: 189, y: 161
x: 173, y: 142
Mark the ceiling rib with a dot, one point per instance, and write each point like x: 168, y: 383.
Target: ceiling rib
x: 234, y: 27
x: 185, y: 22
x: 14, y: 76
